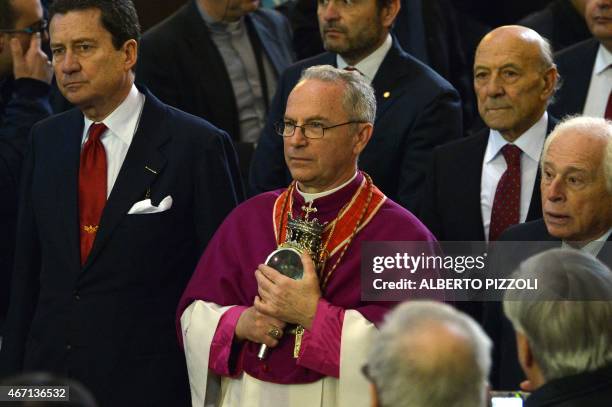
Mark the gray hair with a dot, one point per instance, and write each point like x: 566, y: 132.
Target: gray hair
x: 567, y: 336
x: 358, y: 99
x: 405, y: 374
x: 548, y: 61
x: 546, y: 53
x: 593, y: 126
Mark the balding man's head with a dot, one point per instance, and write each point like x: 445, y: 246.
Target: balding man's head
x: 514, y: 79
x: 430, y: 354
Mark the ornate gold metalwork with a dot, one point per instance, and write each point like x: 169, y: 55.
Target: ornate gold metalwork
x: 90, y: 228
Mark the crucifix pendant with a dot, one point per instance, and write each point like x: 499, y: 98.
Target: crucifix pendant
x: 308, y: 210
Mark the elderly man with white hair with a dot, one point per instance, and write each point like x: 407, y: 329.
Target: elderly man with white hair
x: 576, y: 189
x: 429, y: 354
x: 564, y: 330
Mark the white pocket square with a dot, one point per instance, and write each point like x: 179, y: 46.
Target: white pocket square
x: 145, y: 206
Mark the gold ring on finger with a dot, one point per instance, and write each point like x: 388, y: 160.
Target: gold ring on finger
x: 274, y: 332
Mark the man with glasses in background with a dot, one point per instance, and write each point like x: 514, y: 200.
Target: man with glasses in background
x: 234, y: 304
x: 25, y: 75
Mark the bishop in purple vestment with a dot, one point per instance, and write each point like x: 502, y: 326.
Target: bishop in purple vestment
x: 324, y: 131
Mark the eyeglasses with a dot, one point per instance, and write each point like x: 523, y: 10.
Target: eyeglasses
x: 309, y: 130
x: 37, y: 27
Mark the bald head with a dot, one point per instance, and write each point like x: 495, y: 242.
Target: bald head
x: 514, y: 79
x: 516, y: 38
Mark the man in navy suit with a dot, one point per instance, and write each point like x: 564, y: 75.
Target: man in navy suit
x: 585, y: 67
x: 417, y: 108
x: 119, y: 198
x: 220, y: 60
x: 514, y: 79
x: 25, y: 74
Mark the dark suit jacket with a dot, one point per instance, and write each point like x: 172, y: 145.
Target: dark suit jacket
x: 592, y: 389
x: 110, y: 324
x: 181, y: 64
x: 445, y: 51
x: 416, y: 111
x: 23, y: 102
x: 575, y: 64
x: 451, y: 202
x: 560, y: 23
x: 506, y: 373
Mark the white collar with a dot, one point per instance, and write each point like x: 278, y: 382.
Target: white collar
x: 531, y: 142
x: 130, y: 108
x: 605, y: 236
x: 594, y: 246
x: 603, y: 60
x: 370, y: 64
x: 311, y: 197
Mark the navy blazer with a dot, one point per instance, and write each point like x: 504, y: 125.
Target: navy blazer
x: 23, y: 102
x: 181, y: 64
x: 575, y: 65
x: 416, y: 110
x: 451, y: 206
x: 110, y: 324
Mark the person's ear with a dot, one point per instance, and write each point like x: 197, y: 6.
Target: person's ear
x: 550, y: 78
x: 389, y: 12
x: 363, y: 137
x: 130, y: 51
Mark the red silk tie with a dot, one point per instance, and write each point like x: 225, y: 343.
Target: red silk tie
x: 92, y: 188
x: 609, y: 108
x: 507, y: 201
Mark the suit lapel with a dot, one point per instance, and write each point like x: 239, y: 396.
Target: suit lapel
x: 142, y: 164
x: 326, y: 58
x: 68, y: 186
x: 472, y: 181
x: 605, y: 254
x: 386, y: 78
x: 269, y: 43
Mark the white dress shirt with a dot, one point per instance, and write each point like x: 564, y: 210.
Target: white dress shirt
x: 370, y: 64
x: 494, y: 165
x: 601, y: 84
x: 122, y: 124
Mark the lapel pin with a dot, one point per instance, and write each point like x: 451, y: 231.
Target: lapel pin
x: 149, y: 169
x: 386, y: 94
